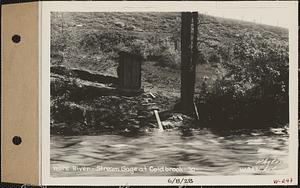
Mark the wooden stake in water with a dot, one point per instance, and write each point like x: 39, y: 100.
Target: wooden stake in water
x: 160, y: 127
x: 196, y: 111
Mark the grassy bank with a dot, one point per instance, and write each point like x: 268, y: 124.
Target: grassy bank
x: 242, y: 73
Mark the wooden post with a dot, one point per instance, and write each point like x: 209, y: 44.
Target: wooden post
x: 160, y: 127
x: 186, y: 20
x: 188, y: 61
x: 195, y: 50
x: 194, y: 59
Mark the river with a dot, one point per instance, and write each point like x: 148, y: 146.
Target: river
x: 175, y: 152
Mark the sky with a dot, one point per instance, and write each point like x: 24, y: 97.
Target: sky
x: 270, y: 13
x: 276, y: 13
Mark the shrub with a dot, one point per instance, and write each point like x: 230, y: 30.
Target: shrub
x: 215, y: 58
x: 169, y: 58
x: 254, y: 92
x: 105, y: 41
x: 61, y: 90
x: 60, y: 42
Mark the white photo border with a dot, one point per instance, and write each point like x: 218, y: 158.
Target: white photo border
x: 46, y: 7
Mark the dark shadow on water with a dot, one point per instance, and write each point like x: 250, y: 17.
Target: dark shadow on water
x: 266, y: 131
x: 186, y: 132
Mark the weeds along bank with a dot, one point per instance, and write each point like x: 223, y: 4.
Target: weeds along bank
x: 254, y: 91
x: 242, y: 76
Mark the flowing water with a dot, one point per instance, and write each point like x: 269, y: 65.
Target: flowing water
x: 176, y: 152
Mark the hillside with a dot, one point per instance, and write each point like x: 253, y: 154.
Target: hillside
x: 241, y: 74
x: 81, y: 31
x: 91, y: 40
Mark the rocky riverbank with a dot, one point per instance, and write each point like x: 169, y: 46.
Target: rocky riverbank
x: 81, y: 106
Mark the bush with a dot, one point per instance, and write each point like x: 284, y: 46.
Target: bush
x: 169, y: 58
x: 214, y: 58
x: 254, y: 92
x: 105, y: 41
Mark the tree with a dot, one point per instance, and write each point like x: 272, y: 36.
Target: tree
x: 188, y: 61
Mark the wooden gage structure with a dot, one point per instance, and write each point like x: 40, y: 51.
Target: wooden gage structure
x: 129, y: 70
x: 129, y: 73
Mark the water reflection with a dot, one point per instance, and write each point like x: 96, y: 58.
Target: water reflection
x: 190, y: 152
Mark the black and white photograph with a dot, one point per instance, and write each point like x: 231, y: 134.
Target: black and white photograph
x: 184, y: 93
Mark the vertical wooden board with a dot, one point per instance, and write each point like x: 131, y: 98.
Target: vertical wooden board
x: 130, y: 72
x: 126, y: 73
x: 139, y: 72
x: 20, y: 94
x: 121, y: 71
x: 136, y: 75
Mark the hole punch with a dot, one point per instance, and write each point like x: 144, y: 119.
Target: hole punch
x: 16, y: 38
x: 17, y: 140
